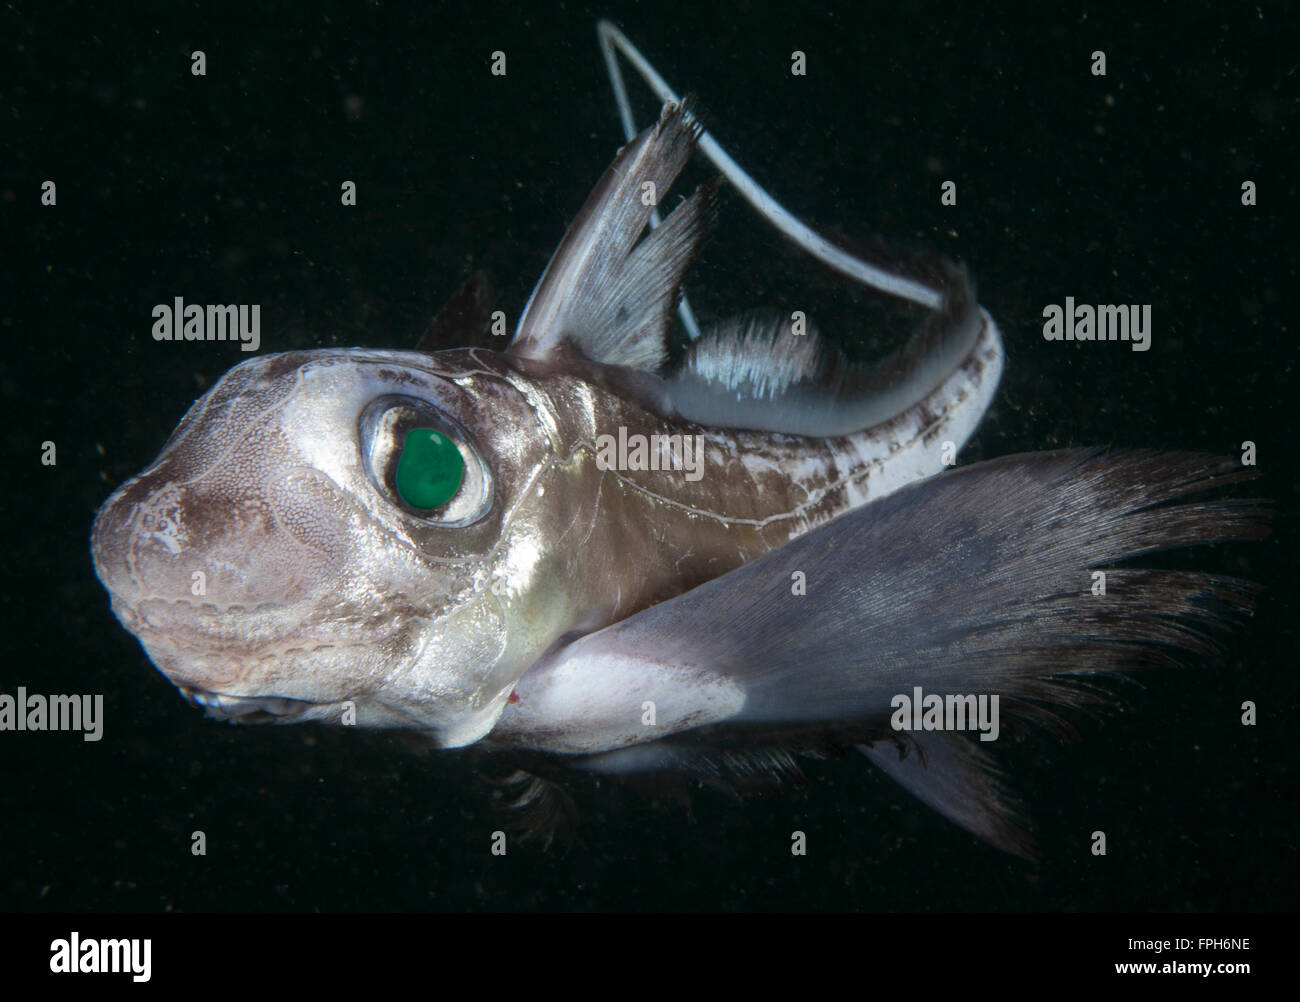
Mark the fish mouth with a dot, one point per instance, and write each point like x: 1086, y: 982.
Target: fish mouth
x: 245, y: 709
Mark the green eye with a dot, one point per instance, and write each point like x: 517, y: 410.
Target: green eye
x: 423, y: 462
x: 430, y: 469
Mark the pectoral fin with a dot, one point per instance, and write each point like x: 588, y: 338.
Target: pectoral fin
x: 976, y: 582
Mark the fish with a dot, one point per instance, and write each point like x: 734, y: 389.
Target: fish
x: 586, y: 553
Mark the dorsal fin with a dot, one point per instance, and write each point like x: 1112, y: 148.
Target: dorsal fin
x: 464, y: 319
x: 602, y: 292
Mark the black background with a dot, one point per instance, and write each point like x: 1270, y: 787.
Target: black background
x: 225, y: 188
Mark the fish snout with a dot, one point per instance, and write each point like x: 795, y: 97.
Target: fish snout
x: 178, y: 544
x: 111, y: 542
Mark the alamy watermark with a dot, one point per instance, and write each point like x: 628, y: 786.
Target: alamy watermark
x: 932, y: 712
x: 1084, y: 322
x: 75, y: 955
x: 651, y: 452
x: 53, y: 713
x: 179, y: 321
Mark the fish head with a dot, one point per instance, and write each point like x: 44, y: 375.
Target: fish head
x: 343, y: 536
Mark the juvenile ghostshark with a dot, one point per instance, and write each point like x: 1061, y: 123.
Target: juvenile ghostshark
x: 447, y: 542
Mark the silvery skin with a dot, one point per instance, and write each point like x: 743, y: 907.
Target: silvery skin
x: 803, y: 561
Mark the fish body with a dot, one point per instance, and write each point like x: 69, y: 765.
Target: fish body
x: 636, y: 563
x: 265, y: 490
